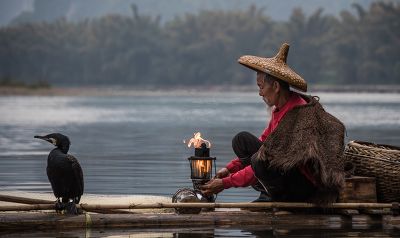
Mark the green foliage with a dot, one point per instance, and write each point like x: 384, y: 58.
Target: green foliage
x: 202, y: 49
x: 10, y: 82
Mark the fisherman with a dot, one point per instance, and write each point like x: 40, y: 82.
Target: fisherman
x: 299, y: 156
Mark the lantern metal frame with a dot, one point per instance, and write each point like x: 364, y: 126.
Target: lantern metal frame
x: 201, y: 180
x: 196, y: 177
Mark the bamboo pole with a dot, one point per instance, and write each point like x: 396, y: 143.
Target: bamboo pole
x: 233, y: 205
x: 41, y: 207
x: 240, y: 205
x: 266, y: 205
x: 15, y: 199
x: 41, y: 202
x: 30, y: 207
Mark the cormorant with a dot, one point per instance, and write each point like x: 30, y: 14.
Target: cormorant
x: 64, y: 173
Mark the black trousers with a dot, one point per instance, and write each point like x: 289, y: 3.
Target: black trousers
x: 245, y: 145
x: 287, y: 186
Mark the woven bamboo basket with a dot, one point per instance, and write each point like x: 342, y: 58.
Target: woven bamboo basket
x: 379, y: 161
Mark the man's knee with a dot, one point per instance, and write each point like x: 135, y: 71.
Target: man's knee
x: 245, y: 144
x: 242, y: 136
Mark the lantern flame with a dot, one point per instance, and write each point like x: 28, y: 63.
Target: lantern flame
x: 197, y: 141
x: 202, y: 167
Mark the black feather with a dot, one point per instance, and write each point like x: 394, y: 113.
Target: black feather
x: 63, y: 170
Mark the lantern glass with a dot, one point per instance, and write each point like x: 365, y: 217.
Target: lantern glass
x: 201, y: 168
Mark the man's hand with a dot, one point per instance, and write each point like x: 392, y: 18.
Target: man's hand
x: 222, y: 173
x: 214, y: 186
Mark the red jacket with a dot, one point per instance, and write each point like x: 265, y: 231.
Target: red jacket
x: 244, y: 176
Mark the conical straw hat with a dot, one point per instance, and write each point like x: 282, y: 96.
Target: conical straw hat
x: 276, y: 66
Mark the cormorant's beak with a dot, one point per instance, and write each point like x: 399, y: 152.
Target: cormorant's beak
x: 50, y: 140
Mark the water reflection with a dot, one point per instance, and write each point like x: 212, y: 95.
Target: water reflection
x: 256, y: 232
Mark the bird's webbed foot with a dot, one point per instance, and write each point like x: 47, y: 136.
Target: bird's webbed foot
x: 70, y: 208
x: 59, y: 206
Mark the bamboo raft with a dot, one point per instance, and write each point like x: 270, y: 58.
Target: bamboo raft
x: 268, y: 214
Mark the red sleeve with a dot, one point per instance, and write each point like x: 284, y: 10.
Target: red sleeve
x: 242, y: 178
x: 234, y: 166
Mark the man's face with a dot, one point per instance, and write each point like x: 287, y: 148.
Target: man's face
x: 266, y: 89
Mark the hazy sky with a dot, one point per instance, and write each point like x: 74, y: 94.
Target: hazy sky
x: 167, y: 9
x: 10, y: 9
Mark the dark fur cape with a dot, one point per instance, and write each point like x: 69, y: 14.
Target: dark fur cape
x: 307, y: 134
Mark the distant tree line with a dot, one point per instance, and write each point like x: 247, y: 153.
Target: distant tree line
x: 202, y: 49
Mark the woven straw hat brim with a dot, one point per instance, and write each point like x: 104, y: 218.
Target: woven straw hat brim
x: 275, y: 66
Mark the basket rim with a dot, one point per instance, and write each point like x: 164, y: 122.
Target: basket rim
x: 373, y: 158
x: 372, y: 146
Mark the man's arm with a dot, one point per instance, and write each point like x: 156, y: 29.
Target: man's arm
x: 234, y: 166
x: 242, y: 178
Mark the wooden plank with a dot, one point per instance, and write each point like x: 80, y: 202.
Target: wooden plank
x: 359, y: 189
x: 349, y: 212
x: 377, y: 212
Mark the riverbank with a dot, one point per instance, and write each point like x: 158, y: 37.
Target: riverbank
x: 179, y: 90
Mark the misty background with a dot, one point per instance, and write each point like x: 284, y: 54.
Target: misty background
x: 145, y: 43
x: 15, y: 11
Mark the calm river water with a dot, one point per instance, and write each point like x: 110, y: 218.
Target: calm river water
x: 134, y: 144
